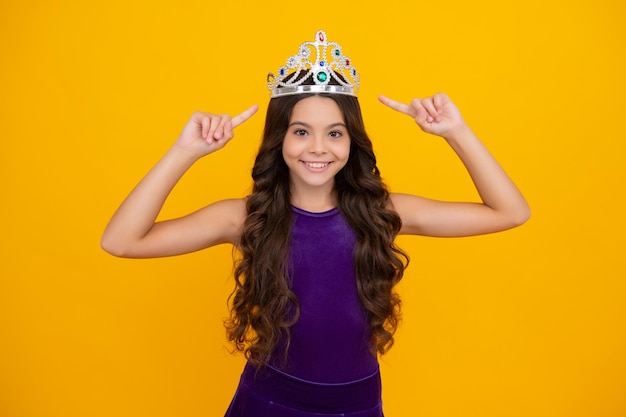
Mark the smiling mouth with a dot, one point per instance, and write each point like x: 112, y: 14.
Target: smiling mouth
x: 316, y: 165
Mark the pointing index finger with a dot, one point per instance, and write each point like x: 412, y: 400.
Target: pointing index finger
x: 242, y: 117
x: 401, y: 107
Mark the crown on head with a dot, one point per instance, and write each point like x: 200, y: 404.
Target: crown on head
x: 320, y: 61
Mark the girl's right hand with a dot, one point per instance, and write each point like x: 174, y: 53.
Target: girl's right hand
x: 205, y: 133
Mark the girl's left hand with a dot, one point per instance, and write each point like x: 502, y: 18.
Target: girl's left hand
x: 437, y: 115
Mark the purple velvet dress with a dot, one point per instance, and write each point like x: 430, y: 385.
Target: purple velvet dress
x: 329, y: 370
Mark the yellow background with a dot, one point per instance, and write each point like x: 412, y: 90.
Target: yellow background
x: 524, y: 323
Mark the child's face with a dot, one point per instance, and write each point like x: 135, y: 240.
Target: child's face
x: 317, y: 144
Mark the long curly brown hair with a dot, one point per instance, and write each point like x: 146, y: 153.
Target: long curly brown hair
x: 263, y: 306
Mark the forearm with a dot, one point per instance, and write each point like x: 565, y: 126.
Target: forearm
x: 494, y: 186
x: 136, y: 216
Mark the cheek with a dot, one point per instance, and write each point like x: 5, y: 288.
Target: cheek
x: 290, y: 150
x: 285, y: 148
x: 344, y: 151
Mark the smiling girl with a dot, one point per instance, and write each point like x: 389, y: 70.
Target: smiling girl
x: 314, y: 301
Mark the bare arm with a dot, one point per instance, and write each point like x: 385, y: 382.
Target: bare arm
x: 502, y: 207
x: 133, y: 231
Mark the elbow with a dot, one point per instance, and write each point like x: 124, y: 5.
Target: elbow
x: 521, y: 216
x: 113, y: 248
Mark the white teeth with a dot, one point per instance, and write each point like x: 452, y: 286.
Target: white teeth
x: 316, y: 164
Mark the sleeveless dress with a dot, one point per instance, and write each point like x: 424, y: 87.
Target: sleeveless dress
x: 329, y: 370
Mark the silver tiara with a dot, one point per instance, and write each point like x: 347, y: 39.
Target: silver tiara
x: 321, y: 61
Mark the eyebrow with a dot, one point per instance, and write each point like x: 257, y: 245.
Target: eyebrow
x: 309, y: 126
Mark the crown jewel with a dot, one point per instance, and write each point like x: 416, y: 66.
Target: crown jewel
x: 319, y: 61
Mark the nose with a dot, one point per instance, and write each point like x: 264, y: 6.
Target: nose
x: 318, y: 145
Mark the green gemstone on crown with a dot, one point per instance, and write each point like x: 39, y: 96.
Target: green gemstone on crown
x: 322, y: 76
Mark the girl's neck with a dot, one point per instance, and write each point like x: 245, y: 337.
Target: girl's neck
x: 315, y: 201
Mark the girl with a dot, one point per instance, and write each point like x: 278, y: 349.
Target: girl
x: 314, y: 302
